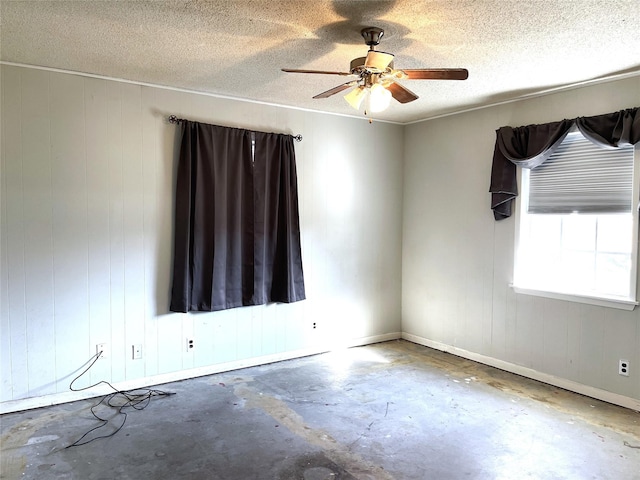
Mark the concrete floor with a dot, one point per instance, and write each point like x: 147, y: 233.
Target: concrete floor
x: 393, y: 410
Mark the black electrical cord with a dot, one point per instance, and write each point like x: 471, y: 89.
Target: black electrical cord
x: 118, y: 400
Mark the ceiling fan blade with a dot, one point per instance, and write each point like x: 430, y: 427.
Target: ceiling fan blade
x: 337, y: 89
x: 401, y: 93
x: 436, y: 73
x: 323, y: 72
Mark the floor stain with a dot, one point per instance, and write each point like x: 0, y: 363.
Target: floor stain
x: 333, y: 450
x: 313, y: 467
x: 13, y: 463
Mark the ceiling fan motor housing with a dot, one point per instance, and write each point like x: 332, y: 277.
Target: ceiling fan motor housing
x: 372, y: 35
x: 372, y: 63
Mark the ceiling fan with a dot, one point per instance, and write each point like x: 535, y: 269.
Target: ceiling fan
x: 377, y: 80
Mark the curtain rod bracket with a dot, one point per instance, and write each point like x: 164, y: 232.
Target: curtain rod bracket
x: 297, y: 138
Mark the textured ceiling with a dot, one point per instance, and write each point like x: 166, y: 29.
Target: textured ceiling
x: 236, y: 48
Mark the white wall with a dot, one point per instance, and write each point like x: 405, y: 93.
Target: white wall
x: 86, y: 215
x: 88, y: 168
x: 458, y: 262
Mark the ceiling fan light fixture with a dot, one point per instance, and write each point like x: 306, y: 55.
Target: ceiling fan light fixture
x: 356, y: 96
x: 379, y: 98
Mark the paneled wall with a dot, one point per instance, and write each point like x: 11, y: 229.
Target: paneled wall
x: 458, y: 262
x: 88, y: 172
x: 86, y: 218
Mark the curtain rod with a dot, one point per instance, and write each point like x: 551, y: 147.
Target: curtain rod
x: 176, y: 120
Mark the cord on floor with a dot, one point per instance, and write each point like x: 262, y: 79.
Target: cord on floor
x: 119, y: 400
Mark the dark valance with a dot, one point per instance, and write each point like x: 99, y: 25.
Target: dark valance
x: 531, y: 145
x: 237, y: 231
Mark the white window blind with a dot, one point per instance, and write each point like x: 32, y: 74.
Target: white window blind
x: 583, y: 177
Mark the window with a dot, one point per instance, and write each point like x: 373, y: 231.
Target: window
x: 577, y: 226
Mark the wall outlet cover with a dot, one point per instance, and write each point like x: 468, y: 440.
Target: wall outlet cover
x: 136, y: 351
x: 623, y: 367
x: 104, y: 348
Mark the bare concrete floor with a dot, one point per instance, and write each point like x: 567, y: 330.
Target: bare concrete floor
x: 393, y: 410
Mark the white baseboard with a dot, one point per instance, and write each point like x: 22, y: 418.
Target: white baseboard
x: 64, y: 397
x: 70, y: 396
x: 604, y: 395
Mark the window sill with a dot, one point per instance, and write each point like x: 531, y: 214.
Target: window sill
x: 621, y: 304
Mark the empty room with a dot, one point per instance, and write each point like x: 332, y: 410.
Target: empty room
x: 319, y: 239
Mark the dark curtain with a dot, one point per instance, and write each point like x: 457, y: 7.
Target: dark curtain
x: 278, y: 261
x: 237, y: 233
x: 532, y: 145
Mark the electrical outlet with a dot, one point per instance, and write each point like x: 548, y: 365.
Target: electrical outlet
x: 103, y: 350
x: 136, y: 351
x: 623, y: 367
x: 189, y: 345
